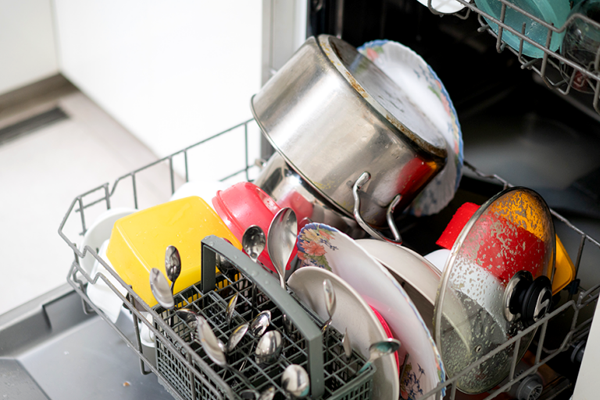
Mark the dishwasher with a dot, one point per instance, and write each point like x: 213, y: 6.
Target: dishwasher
x: 525, y: 121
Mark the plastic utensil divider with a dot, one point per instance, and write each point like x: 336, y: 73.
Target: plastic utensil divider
x: 268, y: 284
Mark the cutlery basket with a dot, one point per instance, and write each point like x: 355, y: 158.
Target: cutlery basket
x: 332, y: 376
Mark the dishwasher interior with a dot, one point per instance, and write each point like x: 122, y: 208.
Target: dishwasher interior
x: 516, y: 131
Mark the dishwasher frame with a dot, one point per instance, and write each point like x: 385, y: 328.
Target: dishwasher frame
x: 78, y: 278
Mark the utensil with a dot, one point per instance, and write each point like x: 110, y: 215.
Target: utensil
x: 231, y: 308
x: 172, y: 265
x: 329, y: 303
x: 281, y: 240
x: 295, y: 382
x: 189, y: 317
x: 380, y: 349
x: 268, y: 348
x: 346, y: 344
x: 215, y: 349
x: 330, y: 249
x: 373, y: 126
x: 253, y: 243
x: 258, y: 326
x: 161, y: 290
x: 267, y: 394
x: 354, y: 316
x: 235, y: 337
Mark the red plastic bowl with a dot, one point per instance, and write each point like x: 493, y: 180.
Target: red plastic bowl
x: 243, y: 205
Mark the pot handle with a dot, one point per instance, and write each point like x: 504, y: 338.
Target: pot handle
x: 364, y: 178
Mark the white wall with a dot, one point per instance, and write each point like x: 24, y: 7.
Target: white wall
x: 27, y: 51
x: 172, y: 72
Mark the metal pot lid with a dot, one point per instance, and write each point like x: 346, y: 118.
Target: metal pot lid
x: 507, y: 243
x: 383, y: 94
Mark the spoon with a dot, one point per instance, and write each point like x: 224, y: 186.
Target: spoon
x: 172, y: 265
x: 347, y: 345
x: 295, y: 381
x: 258, y: 326
x: 253, y: 243
x: 329, y: 303
x: 231, y: 308
x: 268, y: 348
x: 281, y: 240
x: 379, y: 349
x: 267, y: 394
x: 215, y: 349
x: 189, y: 317
x: 237, y: 335
x: 161, y: 290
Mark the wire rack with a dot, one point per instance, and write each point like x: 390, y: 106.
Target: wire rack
x: 570, y: 321
x: 558, y: 72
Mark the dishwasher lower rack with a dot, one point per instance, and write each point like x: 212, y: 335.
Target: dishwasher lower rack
x: 573, y: 316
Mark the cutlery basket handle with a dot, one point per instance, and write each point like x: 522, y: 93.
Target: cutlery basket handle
x: 268, y: 284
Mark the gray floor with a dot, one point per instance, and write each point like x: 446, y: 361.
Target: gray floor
x: 42, y: 172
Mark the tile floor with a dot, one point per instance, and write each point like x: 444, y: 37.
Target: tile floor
x: 40, y: 175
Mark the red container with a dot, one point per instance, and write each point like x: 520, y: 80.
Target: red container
x: 243, y: 205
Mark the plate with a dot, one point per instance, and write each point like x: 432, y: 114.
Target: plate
x: 444, y: 6
x: 427, y: 92
x: 99, y: 232
x: 328, y: 248
x: 351, y: 313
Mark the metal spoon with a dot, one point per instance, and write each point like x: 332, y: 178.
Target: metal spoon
x: 329, y: 303
x: 295, y: 381
x: 281, y: 240
x: 172, y: 265
x: 214, y: 348
x: 161, y: 290
x: 379, y: 349
x: 189, y: 317
x: 235, y: 337
x: 231, y: 308
x: 347, y: 345
x: 253, y: 243
x: 268, y: 348
x: 267, y: 394
x: 258, y: 326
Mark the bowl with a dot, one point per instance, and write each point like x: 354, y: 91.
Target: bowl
x: 551, y: 11
x: 138, y: 242
x: 243, y: 205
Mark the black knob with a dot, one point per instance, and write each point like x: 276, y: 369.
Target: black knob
x: 536, y: 301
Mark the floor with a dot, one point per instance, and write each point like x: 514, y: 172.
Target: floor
x: 42, y: 172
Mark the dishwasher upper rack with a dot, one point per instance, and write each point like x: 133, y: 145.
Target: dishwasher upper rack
x: 550, y: 76
x: 578, y: 325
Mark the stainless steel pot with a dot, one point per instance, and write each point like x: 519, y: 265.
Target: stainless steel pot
x: 333, y: 115
x: 287, y: 188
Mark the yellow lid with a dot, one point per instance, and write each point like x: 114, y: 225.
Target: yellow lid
x: 138, y: 242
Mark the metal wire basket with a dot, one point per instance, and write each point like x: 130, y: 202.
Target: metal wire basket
x: 569, y: 321
x: 557, y: 71
x: 332, y: 375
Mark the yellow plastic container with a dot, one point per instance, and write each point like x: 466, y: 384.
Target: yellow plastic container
x: 138, y: 242
x: 565, y: 269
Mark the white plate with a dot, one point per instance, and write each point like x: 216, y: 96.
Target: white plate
x: 351, y: 313
x: 444, y: 6
x: 205, y: 189
x: 410, y: 266
x: 99, y: 232
x: 424, y: 88
x: 326, y: 247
